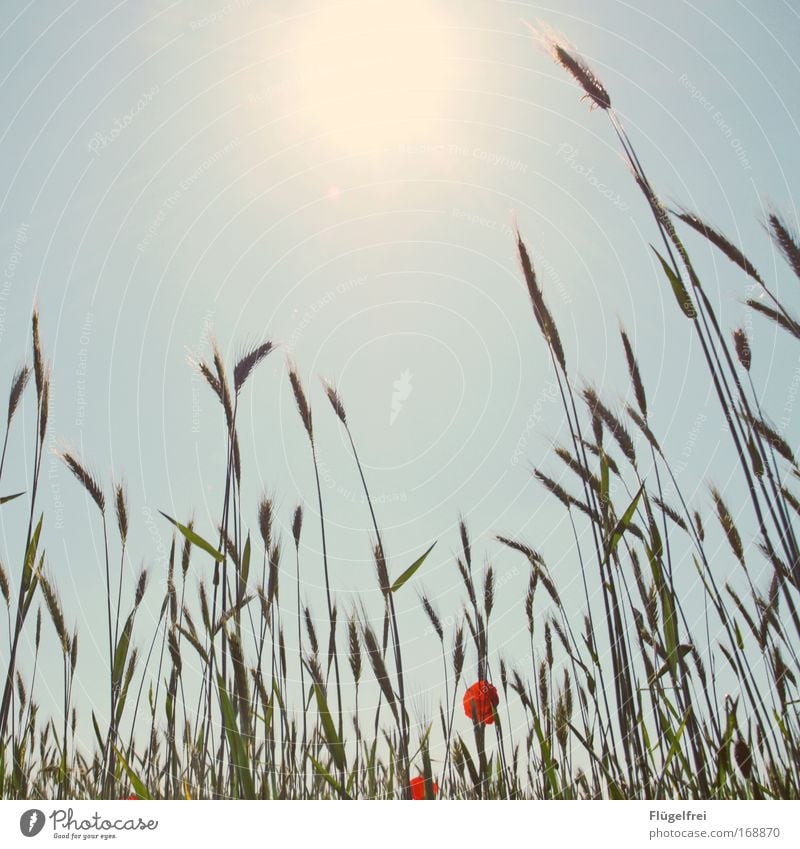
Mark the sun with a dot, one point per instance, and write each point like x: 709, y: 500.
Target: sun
x: 373, y: 73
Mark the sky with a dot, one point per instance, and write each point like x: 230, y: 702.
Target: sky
x: 344, y: 179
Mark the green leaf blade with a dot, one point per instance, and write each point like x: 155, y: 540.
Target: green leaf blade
x: 679, y: 290
x: 195, y: 539
x: 409, y: 573
x: 6, y: 498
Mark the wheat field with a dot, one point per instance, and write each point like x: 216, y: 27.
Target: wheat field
x: 619, y: 697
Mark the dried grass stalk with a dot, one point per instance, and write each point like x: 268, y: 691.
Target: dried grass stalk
x: 247, y: 362
x: 575, y: 65
x: 543, y: 317
x: 44, y: 407
x: 742, y: 347
x: 87, y: 480
x: 5, y: 588
x: 297, y: 525
x: 616, y: 427
x: 786, y: 240
x: 18, y: 384
x: 354, y: 646
x: 728, y: 525
x: 790, y: 325
x: 120, y: 503
x: 312, y: 634
x: 633, y: 370
x: 265, y: 521
x: 719, y: 241
x: 38, y: 359
x: 488, y: 592
x: 302, y: 403
x: 433, y: 616
x: 336, y: 402
x: 383, y: 573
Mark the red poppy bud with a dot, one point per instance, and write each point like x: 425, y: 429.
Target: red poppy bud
x: 479, y: 702
x: 418, y: 787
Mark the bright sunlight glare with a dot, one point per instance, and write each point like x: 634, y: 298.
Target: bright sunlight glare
x: 373, y: 73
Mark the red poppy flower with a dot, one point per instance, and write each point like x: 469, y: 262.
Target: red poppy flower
x: 418, y: 787
x: 479, y: 700
x: 134, y: 796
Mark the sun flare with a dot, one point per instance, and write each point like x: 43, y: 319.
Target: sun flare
x: 373, y: 73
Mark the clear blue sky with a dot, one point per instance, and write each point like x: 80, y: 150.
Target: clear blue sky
x: 344, y: 182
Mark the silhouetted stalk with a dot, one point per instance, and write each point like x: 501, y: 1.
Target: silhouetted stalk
x: 329, y: 600
x: 305, y: 415
x: 550, y: 332
x: 42, y: 401
x: 297, y: 525
x: 338, y: 407
x: 708, y: 317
